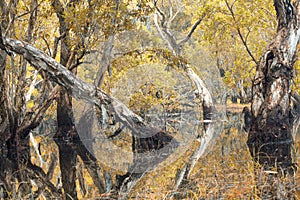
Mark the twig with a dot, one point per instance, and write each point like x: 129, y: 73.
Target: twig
x: 56, y: 41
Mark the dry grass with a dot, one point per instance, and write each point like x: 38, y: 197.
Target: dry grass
x: 226, y: 172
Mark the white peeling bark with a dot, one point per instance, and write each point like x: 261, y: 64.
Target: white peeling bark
x: 204, y: 94
x: 270, y: 137
x: 36, y: 148
x: 175, y: 47
x: 31, y: 87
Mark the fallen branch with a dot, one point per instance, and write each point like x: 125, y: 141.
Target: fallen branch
x: 78, y: 88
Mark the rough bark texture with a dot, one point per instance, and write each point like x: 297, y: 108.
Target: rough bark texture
x: 270, y: 138
x: 78, y: 88
x: 67, y: 137
x: 64, y: 137
x: 66, y: 132
x: 14, y: 143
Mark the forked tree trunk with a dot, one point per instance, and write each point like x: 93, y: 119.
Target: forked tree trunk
x: 270, y: 138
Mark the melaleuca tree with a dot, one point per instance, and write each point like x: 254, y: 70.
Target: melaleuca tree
x: 236, y: 35
x: 273, y: 120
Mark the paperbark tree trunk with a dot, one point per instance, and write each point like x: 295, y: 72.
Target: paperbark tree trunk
x: 208, y: 107
x: 270, y: 138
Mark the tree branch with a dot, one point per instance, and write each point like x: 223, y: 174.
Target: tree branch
x: 39, y: 172
x: 162, y: 14
x: 244, y: 41
x: 49, y: 175
x: 33, y: 118
x: 165, y: 35
x: 56, y: 41
x: 172, y: 17
x: 47, y: 44
x: 194, y: 27
x: 79, y: 89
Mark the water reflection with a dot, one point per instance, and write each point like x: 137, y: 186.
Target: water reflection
x: 222, y: 167
x: 228, y: 171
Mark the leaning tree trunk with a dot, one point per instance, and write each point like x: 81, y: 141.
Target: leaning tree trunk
x: 270, y: 139
x: 208, y: 107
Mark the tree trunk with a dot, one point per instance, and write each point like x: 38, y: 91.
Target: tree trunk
x: 65, y: 135
x: 270, y: 138
x: 14, y: 143
x: 66, y: 132
x: 208, y: 107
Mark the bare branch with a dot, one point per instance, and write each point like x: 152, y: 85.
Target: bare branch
x: 48, y: 46
x: 244, y: 41
x: 70, y: 59
x: 158, y: 27
x: 246, y: 46
x: 46, y: 104
x: 9, y: 25
x: 56, y: 41
x: 29, y: 12
x: 49, y: 175
x: 162, y: 14
x: 166, y: 35
x: 174, y: 16
x: 32, y: 119
x: 41, y: 175
x: 194, y: 27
